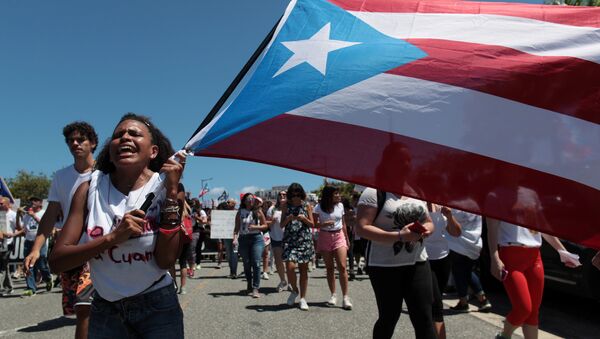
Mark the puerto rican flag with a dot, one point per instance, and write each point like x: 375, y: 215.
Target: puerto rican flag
x: 491, y: 108
x: 204, y: 191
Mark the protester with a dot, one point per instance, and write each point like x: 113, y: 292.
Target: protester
x: 437, y: 253
x: 359, y: 245
x: 186, y: 259
x: 464, y: 253
x: 333, y: 241
x: 298, y: 249
x: 230, y: 250
x: 249, y: 224
x: 81, y: 138
x: 276, y: 232
x: 28, y: 221
x: 516, y: 261
x: 200, y: 219
x: 129, y: 251
x: 7, y: 244
x: 266, y: 240
x: 396, y: 260
x: 350, y: 222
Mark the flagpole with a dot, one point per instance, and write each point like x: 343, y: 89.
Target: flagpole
x: 236, y: 81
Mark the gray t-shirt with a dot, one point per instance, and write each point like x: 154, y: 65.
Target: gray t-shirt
x: 395, y: 214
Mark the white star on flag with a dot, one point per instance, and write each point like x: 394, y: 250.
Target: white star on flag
x: 313, y: 51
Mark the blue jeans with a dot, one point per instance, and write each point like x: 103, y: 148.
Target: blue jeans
x: 41, y: 265
x: 155, y: 314
x: 232, y: 257
x: 251, y: 248
x: 462, y: 270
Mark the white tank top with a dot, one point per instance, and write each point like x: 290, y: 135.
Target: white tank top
x: 436, y: 244
x: 513, y: 235
x: 128, y: 268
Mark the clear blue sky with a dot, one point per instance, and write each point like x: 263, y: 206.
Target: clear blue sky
x: 62, y: 61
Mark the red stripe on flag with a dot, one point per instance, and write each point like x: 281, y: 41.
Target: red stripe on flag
x: 566, y: 15
x: 561, y: 84
x: 442, y: 174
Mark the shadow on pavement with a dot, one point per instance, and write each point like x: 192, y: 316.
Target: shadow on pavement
x: 228, y: 294
x: 49, y: 325
x: 270, y: 308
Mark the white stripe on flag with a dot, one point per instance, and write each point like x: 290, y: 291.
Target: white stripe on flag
x: 527, y: 35
x: 470, y: 121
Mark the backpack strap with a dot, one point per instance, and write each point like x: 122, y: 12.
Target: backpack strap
x: 381, y: 195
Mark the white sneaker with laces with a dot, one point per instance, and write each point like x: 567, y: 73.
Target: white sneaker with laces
x: 265, y: 276
x: 292, y: 298
x: 332, y: 301
x: 303, y: 305
x: 347, y: 303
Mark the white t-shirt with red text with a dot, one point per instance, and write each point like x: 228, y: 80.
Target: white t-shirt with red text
x: 128, y: 268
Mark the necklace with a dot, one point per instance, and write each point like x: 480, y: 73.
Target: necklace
x: 128, y: 206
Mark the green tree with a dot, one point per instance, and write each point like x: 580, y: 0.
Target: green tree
x: 345, y: 188
x: 574, y: 2
x: 27, y: 184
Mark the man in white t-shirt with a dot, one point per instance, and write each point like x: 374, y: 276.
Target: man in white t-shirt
x: 81, y: 138
x: 6, y: 242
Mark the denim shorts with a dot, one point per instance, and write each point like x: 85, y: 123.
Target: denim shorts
x: 155, y: 314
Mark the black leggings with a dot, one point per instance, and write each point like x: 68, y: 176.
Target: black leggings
x: 440, y: 272
x: 392, y: 286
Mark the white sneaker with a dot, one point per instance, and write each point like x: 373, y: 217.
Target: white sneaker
x: 303, y: 305
x: 332, y: 301
x: 282, y: 286
x: 265, y: 276
x: 347, y: 303
x: 292, y: 298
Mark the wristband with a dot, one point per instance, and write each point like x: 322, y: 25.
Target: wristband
x: 170, y: 209
x: 171, y: 202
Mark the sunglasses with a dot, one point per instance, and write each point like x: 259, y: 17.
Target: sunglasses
x: 295, y: 195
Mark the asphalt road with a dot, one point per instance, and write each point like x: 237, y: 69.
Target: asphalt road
x: 215, y: 307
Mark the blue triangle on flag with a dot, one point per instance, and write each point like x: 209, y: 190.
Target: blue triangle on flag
x: 271, y: 91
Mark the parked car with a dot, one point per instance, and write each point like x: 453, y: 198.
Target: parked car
x: 582, y: 281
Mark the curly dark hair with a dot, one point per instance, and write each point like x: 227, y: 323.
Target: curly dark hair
x: 84, y: 129
x: 165, y: 150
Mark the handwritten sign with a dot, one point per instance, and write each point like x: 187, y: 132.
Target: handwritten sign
x: 222, y: 224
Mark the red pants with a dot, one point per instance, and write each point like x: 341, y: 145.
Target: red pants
x: 524, y: 283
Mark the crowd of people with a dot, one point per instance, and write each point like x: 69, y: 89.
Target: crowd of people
x: 116, y: 250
